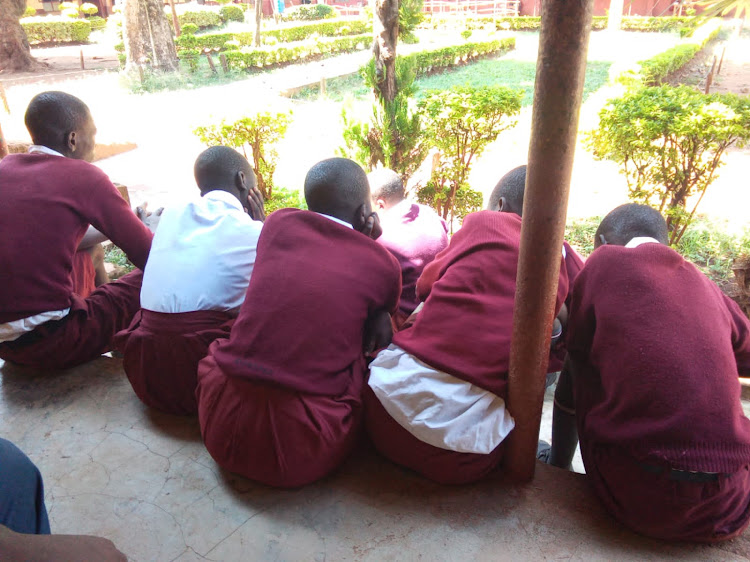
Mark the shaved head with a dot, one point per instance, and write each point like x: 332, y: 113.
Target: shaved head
x: 630, y: 221
x: 338, y: 187
x: 51, y: 119
x: 217, y: 168
x: 387, y: 185
x: 511, y: 188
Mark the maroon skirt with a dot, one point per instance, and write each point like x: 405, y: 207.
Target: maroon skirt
x: 401, y: 447
x: 274, y: 435
x: 161, y: 354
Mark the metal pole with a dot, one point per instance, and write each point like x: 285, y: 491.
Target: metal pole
x: 560, y: 71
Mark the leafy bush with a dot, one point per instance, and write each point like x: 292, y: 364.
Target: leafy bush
x: 189, y: 29
x: 69, y: 9
x: 259, y: 134
x: 97, y: 23
x: 202, y: 18
x: 669, y: 143
x: 410, y: 15
x: 309, y: 13
x: 232, y: 13
x: 393, y: 137
x: 89, y: 9
x: 56, y: 29
x: 29, y: 12
x: 461, y: 122
x: 249, y: 59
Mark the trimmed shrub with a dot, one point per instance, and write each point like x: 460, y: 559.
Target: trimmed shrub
x: 89, y: 9
x: 189, y: 29
x: 532, y: 23
x: 203, y: 19
x: 56, y: 29
x: 232, y: 13
x: 249, y: 59
x: 29, y: 12
x: 97, y: 23
x: 309, y: 13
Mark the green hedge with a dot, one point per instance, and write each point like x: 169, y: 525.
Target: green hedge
x: 430, y: 61
x: 232, y: 13
x: 53, y: 29
x: 97, y: 23
x: 202, y: 18
x: 250, y: 59
x: 309, y: 13
x: 290, y: 34
x: 532, y: 23
x: 653, y: 71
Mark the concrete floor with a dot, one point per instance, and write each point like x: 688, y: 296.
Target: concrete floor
x: 144, y: 480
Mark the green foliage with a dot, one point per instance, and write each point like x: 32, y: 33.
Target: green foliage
x: 189, y: 29
x: 69, y: 9
x: 393, y: 138
x: 284, y: 199
x: 230, y: 41
x: 713, y: 8
x: 251, y: 59
x: 580, y: 233
x: 534, y: 23
x: 97, y: 23
x: 461, y: 123
x: 115, y: 256
x: 202, y: 18
x: 56, y: 29
x: 232, y: 13
x: 89, y: 9
x: 466, y: 33
x: 410, y: 15
x: 311, y: 12
x: 258, y: 134
x: 669, y: 143
x: 29, y: 12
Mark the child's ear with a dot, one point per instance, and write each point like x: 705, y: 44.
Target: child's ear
x: 380, y: 204
x: 71, y: 141
x: 240, y: 181
x: 502, y: 205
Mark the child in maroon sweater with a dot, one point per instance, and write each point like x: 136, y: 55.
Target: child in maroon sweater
x: 280, y: 401
x: 436, y: 396
x: 651, y: 386
x: 49, y: 199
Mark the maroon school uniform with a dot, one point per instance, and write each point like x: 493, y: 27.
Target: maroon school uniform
x: 48, y: 204
x: 464, y: 329
x: 414, y: 234
x: 573, y: 266
x: 83, y: 274
x: 657, y: 350
x: 280, y: 401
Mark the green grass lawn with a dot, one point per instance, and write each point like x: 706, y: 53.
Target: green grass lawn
x: 487, y: 72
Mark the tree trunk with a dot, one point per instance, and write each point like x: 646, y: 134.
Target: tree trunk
x: 15, y: 53
x: 258, y: 21
x: 147, y: 35
x: 614, y: 21
x: 385, y: 28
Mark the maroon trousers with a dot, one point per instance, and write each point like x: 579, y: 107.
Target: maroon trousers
x: 161, y: 354
x: 401, y: 447
x: 273, y: 435
x: 655, y: 504
x: 85, y: 333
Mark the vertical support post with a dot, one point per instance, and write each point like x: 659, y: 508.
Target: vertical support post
x: 560, y: 71
x: 721, y: 60
x: 175, y: 20
x: 710, y: 77
x: 3, y: 145
x: 83, y: 65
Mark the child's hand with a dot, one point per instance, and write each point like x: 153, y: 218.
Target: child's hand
x: 372, y: 227
x: 151, y: 220
x: 378, y: 332
x: 255, y: 207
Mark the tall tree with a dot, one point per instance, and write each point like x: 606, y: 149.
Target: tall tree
x: 15, y: 53
x: 385, y: 28
x: 148, y: 37
x: 258, y: 21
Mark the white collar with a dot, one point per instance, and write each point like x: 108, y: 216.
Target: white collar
x: 39, y: 149
x: 225, y: 197
x: 638, y: 240
x: 334, y: 219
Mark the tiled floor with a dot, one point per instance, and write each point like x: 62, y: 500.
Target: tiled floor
x: 144, y: 480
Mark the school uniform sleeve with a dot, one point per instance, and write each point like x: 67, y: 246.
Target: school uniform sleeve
x: 109, y: 213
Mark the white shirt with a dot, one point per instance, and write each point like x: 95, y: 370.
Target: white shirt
x: 638, y: 240
x: 11, y: 331
x: 201, y: 257
x: 437, y: 408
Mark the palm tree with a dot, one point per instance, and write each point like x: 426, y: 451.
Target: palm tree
x: 714, y: 8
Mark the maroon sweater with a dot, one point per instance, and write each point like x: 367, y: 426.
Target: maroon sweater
x: 313, y: 286
x: 465, y: 326
x: 658, y: 349
x: 46, y: 205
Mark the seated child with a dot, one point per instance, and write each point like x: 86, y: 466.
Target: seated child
x: 655, y: 350
x: 436, y: 397
x: 510, y: 190
x: 413, y: 233
x: 280, y: 401
x: 50, y: 198
x: 195, y: 280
